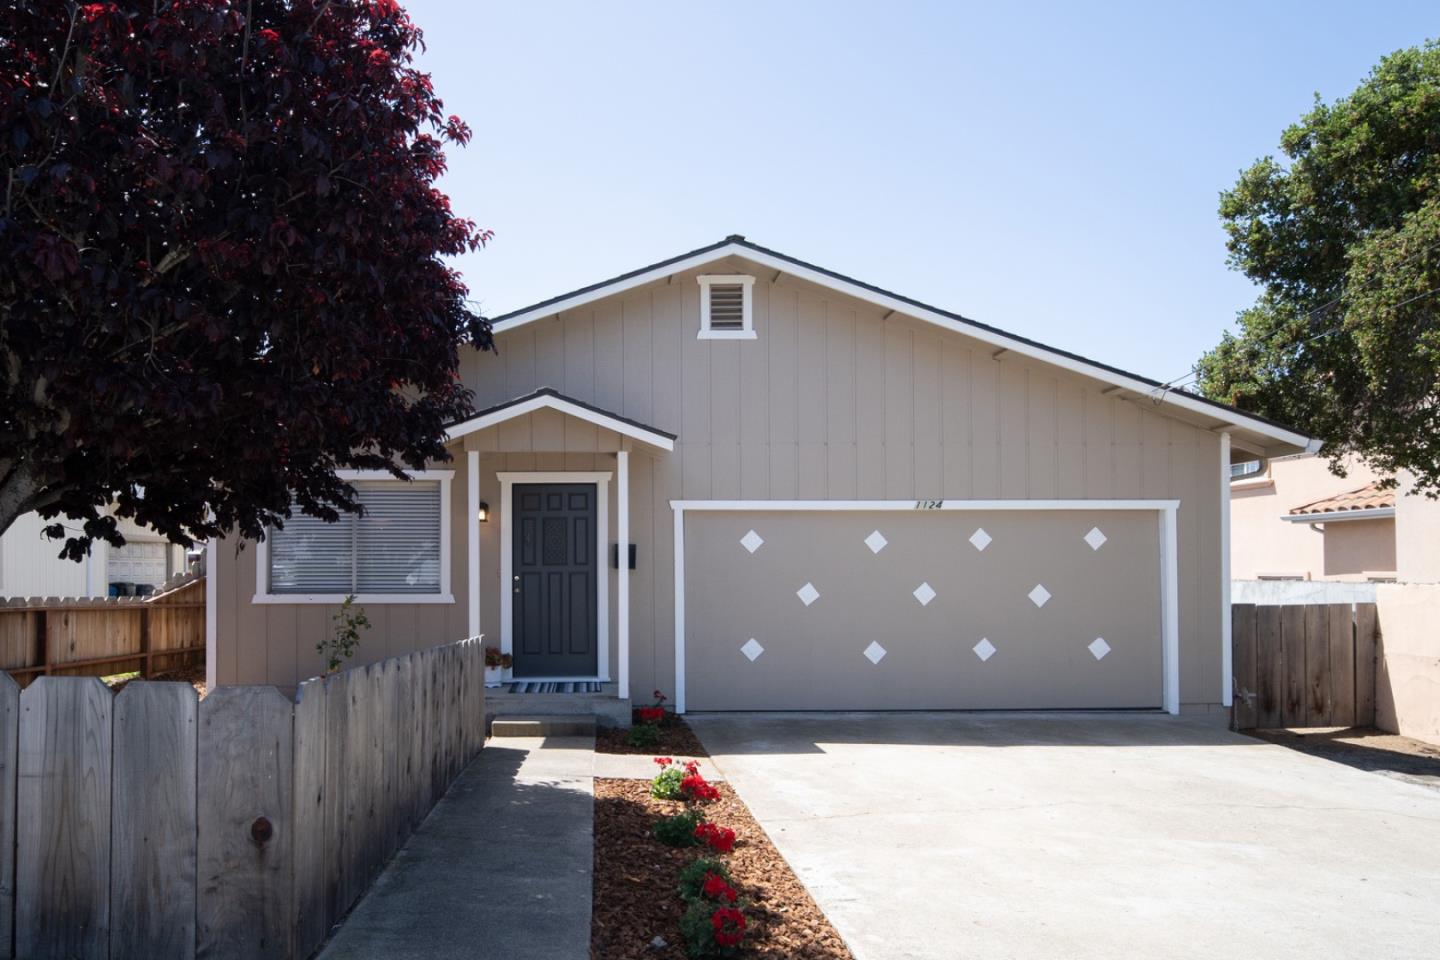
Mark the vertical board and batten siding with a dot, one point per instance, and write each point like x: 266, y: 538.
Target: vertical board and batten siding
x: 834, y: 401
x: 242, y: 825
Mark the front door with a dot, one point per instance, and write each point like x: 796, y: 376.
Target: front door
x: 554, y: 580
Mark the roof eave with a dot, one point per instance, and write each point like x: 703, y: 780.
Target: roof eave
x: 1273, y: 439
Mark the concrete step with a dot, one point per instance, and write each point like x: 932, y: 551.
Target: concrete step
x: 559, y: 726
x: 608, y: 709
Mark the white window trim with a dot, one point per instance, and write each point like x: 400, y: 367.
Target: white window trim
x: 1165, y: 511
x: 747, y: 330
x: 262, y: 553
x: 601, y: 480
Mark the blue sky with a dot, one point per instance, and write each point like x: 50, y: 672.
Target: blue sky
x: 1046, y: 168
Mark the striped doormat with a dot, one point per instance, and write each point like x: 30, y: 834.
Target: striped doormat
x: 554, y: 686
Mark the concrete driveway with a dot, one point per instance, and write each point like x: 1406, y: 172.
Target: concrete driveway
x: 1085, y: 835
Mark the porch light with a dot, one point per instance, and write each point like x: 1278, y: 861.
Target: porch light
x: 483, y: 514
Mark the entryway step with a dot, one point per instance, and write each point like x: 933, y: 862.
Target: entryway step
x: 568, y: 726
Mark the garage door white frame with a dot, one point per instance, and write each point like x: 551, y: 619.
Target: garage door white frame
x: 1165, y: 511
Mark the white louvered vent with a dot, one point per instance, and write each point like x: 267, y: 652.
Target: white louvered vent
x: 727, y: 306
x: 726, y: 311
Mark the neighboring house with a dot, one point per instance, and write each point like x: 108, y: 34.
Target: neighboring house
x: 1292, y: 519
x: 30, y: 565
x: 831, y: 496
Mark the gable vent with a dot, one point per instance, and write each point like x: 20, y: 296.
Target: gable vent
x: 727, y: 306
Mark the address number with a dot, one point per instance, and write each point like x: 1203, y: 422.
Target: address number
x: 929, y: 504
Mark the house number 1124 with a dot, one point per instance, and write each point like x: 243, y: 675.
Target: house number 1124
x: 929, y: 504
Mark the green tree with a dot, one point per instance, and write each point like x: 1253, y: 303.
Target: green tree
x: 1344, y: 238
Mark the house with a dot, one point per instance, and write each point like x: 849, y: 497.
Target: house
x: 1293, y: 519
x: 755, y: 483
x: 30, y: 565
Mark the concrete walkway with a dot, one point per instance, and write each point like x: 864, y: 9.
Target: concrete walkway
x: 1085, y: 836
x: 500, y: 870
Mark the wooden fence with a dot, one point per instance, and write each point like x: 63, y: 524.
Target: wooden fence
x: 1310, y: 665
x: 100, y: 637
x: 147, y: 824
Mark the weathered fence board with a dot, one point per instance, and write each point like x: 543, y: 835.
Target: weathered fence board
x: 152, y: 871
x: 9, y: 767
x: 242, y: 826
x: 245, y: 846
x: 1269, y: 670
x: 1317, y: 665
x: 1314, y: 665
x: 1367, y: 636
x: 309, y: 831
x: 1243, y: 662
x: 1341, y: 633
x: 62, y: 880
x: 338, y: 892
x: 1294, y: 648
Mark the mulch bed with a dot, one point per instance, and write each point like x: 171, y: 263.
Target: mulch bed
x: 636, y: 876
x: 676, y: 740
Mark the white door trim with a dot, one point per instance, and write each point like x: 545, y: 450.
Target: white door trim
x: 1227, y: 666
x: 1169, y: 565
x: 601, y: 480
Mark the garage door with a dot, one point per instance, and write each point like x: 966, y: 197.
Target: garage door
x: 138, y: 563
x: 953, y: 609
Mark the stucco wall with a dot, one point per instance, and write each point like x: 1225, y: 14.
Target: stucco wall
x: 1417, y: 536
x: 1264, y: 545
x: 832, y: 400
x: 1407, y: 681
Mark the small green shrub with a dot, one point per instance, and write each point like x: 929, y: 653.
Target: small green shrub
x: 692, y: 878
x: 349, y: 620
x: 644, y: 735
x: 666, y: 785
x: 679, y: 830
x: 712, y: 931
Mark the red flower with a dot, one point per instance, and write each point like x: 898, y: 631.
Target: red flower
x: 717, y: 838
x: 696, y: 787
x: 650, y: 714
x: 729, y: 924
x: 664, y: 761
x: 717, y: 889
x: 692, y: 766
x: 268, y: 34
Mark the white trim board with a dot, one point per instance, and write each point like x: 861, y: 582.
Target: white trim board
x: 547, y: 401
x: 1165, y: 511
x: 601, y: 480
x: 1176, y: 398
x: 262, y: 552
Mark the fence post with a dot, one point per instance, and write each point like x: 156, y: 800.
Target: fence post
x: 245, y: 844
x: 152, y: 877
x: 62, y: 878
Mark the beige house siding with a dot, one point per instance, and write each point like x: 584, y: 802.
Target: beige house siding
x: 1417, y: 535
x: 833, y: 400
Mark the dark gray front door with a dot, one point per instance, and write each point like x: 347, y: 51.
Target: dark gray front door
x: 554, y: 580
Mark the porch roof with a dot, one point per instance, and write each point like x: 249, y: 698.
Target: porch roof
x: 547, y: 398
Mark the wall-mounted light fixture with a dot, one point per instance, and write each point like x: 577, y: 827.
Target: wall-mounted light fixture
x: 484, y: 512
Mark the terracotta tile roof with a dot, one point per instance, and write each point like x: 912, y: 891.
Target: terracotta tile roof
x: 1368, y: 497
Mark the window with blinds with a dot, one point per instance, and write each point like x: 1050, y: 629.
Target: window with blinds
x: 394, y: 548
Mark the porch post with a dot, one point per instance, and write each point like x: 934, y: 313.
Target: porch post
x: 622, y: 530
x: 472, y: 539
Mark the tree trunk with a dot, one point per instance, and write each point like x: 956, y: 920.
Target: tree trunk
x: 17, y: 493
